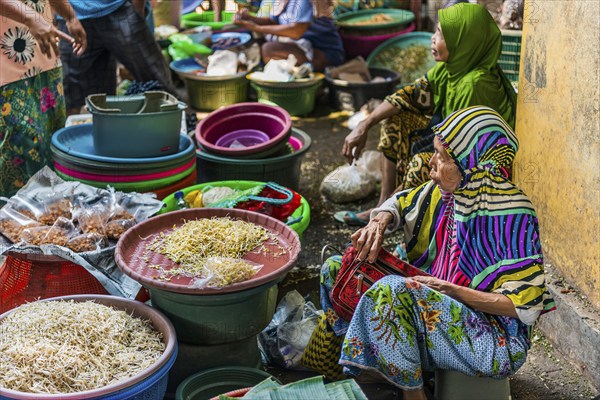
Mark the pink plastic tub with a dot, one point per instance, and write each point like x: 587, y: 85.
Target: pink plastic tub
x: 274, y: 121
x: 363, y: 45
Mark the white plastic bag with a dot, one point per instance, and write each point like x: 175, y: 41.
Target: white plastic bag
x: 283, y: 341
x: 278, y: 70
x: 370, y: 162
x: 348, y: 183
x: 222, y: 63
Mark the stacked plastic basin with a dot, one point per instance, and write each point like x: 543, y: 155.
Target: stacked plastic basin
x: 133, y: 145
x: 250, y: 141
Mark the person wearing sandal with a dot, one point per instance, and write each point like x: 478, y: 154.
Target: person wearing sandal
x: 476, y: 234
x: 467, y: 44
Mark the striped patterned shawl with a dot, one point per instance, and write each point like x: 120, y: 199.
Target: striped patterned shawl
x: 495, y: 224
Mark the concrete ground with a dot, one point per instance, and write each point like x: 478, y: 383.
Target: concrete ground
x: 545, y: 375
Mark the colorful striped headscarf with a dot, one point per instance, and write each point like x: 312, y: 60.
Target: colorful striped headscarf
x: 495, y: 224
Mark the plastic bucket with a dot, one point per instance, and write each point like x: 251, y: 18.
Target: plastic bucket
x: 352, y: 96
x: 284, y: 169
x: 218, y: 318
x: 207, y: 93
x: 213, y: 382
x: 297, y: 98
x: 139, y: 126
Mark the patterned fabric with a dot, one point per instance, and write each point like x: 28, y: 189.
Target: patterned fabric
x: 402, y: 328
x: 495, y: 224
x: 323, y: 350
x: 130, y: 42
x: 20, y: 54
x: 32, y: 110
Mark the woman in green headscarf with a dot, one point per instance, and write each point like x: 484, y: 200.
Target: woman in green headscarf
x: 467, y: 44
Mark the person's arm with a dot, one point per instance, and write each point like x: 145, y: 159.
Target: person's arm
x: 64, y: 9
x: 44, y: 32
x: 491, y: 303
x: 368, y: 240
x: 217, y: 6
x: 356, y: 140
x: 294, y: 30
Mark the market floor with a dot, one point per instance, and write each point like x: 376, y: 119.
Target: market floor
x: 544, y: 376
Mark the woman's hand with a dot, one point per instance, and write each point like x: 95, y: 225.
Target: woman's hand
x: 355, y: 142
x: 434, y: 283
x: 242, y: 15
x: 47, y: 36
x: 367, y: 241
x: 76, y: 30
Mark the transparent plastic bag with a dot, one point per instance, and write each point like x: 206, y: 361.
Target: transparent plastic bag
x: 13, y: 223
x: 56, y: 207
x: 219, y: 272
x: 348, y: 183
x: 59, y: 233
x: 283, y: 341
x: 370, y: 162
x: 86, y: 242
x: 92, y: 219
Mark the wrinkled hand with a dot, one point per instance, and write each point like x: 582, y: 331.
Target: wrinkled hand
x: 368, y: 240
x: 355, y: 142
x: 47, y: 37
x: 434, y: 283
x: 76, y: 30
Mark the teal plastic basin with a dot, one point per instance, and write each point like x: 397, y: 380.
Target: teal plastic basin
x: 218, y: 318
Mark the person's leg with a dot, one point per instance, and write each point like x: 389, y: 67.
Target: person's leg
x: 281, y: 51
x: 92, y: 72
x: 130, y: 40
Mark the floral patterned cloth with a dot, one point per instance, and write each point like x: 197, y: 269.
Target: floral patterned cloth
x: 20, y: 54
x: 401, y: 328
x: 32, y: 110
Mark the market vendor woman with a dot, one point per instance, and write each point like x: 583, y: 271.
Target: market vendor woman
x: 477, y: 235
x: 303, y: 28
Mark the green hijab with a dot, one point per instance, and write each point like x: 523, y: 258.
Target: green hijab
x: 472, y: 75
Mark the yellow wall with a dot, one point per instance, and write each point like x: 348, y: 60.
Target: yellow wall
x: 558, y: 128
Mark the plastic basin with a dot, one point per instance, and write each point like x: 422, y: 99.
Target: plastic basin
x: 301, y: 215
x: 297, y: 97
x: 357, y: 22
x: 352, y: 96
x: 218, y: 318
x: 361, y: 45
x: 245, y: 138
x: 148, y: 384
x: 273, y: 121
x: 193, y: 19
x: 213, y: 382
x: 283, y: 169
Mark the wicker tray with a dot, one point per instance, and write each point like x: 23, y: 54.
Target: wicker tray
x: 131, y: 250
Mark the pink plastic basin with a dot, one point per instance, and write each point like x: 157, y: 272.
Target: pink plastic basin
x: 363, y: 45
x: 273, y: 121
x: 245, y: 138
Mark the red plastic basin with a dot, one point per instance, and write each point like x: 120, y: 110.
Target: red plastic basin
x: 363, y: 45
x: 273, y: 121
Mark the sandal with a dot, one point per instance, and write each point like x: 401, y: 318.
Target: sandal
x: 349, y: 218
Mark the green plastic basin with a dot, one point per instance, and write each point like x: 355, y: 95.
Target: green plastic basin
x: 218, y: 318
x: 207, y: 18
x: 216, y: 381
x: 301, y: 215
x: 297, y: 98
x: 207, y: 93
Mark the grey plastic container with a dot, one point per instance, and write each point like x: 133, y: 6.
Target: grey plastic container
x: 145, y: 125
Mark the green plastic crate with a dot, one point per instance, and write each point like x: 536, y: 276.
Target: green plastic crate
x: 510, y: 57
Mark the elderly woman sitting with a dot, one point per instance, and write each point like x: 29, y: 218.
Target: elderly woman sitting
x: 304, y: 28
x: 477, y: 235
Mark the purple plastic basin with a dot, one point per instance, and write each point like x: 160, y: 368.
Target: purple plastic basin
x: 245, y: 137
x: 363, y: 45
x: 273, y: 121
